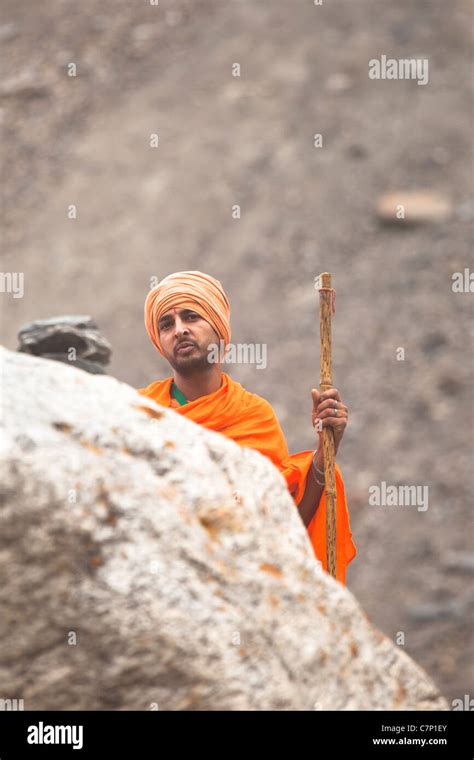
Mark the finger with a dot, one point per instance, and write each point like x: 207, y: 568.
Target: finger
x: 332, y: 404
x: 318, y: 424
x: 334, y: 422
x: 325, y: 413
x: 315, y: 394
x: 330, y: 393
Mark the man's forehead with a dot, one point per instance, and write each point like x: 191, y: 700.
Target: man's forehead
x: 174, y: 311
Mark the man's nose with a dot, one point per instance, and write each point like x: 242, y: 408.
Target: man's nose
x: 179, y: 327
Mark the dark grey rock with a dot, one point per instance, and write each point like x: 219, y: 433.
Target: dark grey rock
x: 53, y: 338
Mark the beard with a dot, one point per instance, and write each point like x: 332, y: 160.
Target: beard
x: 195, y: 363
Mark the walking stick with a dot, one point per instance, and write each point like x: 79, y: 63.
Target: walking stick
x: 327, y: 299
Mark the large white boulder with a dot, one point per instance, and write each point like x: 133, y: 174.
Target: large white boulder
x: 149, y: 563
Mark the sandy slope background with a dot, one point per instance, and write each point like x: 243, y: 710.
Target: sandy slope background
x: 146, y: 212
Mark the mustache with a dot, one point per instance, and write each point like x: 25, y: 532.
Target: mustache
x: 184, y: 343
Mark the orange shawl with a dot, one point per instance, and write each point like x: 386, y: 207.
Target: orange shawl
x: 250, y: 421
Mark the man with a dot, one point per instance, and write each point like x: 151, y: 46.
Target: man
x: 186, y: 313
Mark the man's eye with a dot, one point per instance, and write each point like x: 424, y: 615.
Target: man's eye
x: 165, y: 325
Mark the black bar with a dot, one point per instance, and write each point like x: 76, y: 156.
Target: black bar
x: 149, y: 734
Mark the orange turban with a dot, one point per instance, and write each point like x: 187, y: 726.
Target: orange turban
x: 190, y: 290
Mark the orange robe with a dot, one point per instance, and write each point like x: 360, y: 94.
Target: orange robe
x: 250, y: 421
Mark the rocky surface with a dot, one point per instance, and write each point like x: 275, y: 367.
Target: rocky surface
x: 69, y: 339
x: 413, y: 207
x: 147, y: 562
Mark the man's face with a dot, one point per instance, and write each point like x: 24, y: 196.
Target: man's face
x: 181, y: 327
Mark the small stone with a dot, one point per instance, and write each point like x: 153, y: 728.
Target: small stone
x: 413, y: 207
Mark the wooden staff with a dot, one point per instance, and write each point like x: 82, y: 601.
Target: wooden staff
x: 327, y: 296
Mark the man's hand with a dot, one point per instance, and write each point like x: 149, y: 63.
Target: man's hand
x: 329, y: 410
